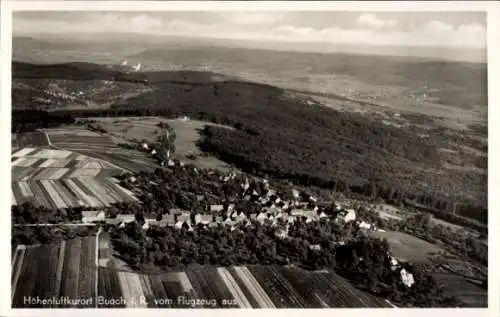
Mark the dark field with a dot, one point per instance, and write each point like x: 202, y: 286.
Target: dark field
x: 251, y: 287
x: 55, y: 270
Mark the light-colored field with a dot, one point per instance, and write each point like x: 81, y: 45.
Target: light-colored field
x: 187, y: 135
x: 61, y: 179
x: 407, y: 247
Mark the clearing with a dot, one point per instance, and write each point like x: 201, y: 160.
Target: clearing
x: 145, y: 128
x: 409, y: 248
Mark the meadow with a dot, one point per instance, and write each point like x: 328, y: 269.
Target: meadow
x: 188, y: 134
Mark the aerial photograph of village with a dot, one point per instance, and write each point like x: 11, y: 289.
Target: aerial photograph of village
x: 205, y: 159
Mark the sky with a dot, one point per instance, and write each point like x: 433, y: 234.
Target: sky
x: 422, y: 29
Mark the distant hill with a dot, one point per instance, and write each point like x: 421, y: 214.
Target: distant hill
x: 75, y: 71
x: 458, y: 84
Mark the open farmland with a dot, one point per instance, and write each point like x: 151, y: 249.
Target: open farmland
x: 55, y: 270
x: 407, y: 247
x: 33, y: 139
x: 101, y: 147
x: 61, y: 179
x: 145, y: 128
x: 244, y: 287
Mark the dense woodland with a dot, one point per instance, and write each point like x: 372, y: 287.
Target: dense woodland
x: 309, y: 145
x: 363, y: 260
x: 48, y: 234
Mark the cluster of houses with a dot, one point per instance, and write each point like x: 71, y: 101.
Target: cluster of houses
x: 275, y: 212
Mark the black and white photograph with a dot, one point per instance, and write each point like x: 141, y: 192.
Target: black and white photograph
x: 216, y: 159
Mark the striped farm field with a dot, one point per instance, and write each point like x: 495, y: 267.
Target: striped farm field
x: 54, y: 271
x: 62, y: 179
x: 102, y: 147
x: 257, y: 286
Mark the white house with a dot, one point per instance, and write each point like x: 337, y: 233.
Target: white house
x: 216, y: 208
x: 349, y: 216
x: 145, y: 226
x: 261, y: 217
x: 145, y: 146
x: 323, y: 215
x: 407, y: 278
x: 295, y: 193
x: 364, y: 225
x: 153, y: 152
x: 315, y: 247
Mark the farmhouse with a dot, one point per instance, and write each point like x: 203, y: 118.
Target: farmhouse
x: 216, y: 208
x: 407, y: 278
x: 126, y: 218
x: 346, y: 216
x: 91, y: 216
x: 203, y: 219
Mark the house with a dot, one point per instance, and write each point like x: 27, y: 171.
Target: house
x: 121, y: 225
x: 364, y: 225
x: 407, y: 278
x: 247, y: 197
x: 261, y: 217
x: 153, y: 152
x: 315, y: 247
x: 184, y: 218
x: 323, y: 215
x: 296, y: 194
x: 126, y: 218
x: 145, y: 146
x: 229, y: 222
x: 230, y: 208
x: 219, y: 219
x: 169, y: 219
x: 297, y: 212
x: 253, y: 216
x: 241, y: 216
x: 175, y: 211
x: 200, y: 197
x: 132, y: 179
x: 347, y: 216
x: 309, y: 220
x: 203, y: 219
x: 179, y: 224
x: 145, y: 226
x: 216, y: 208
x: 170, y: 163
x: 281, y: 233
x: 91, y: 216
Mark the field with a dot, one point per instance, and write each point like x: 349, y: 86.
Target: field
x: 145, y: 128
x: 60, y: 179
x: 30, y: 139
x: 245, y: 287
x: 408, y: 247
x: 55, y: 270
x: 101, y: 147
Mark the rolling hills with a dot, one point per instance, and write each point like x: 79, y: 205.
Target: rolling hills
x: 303, y: 141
